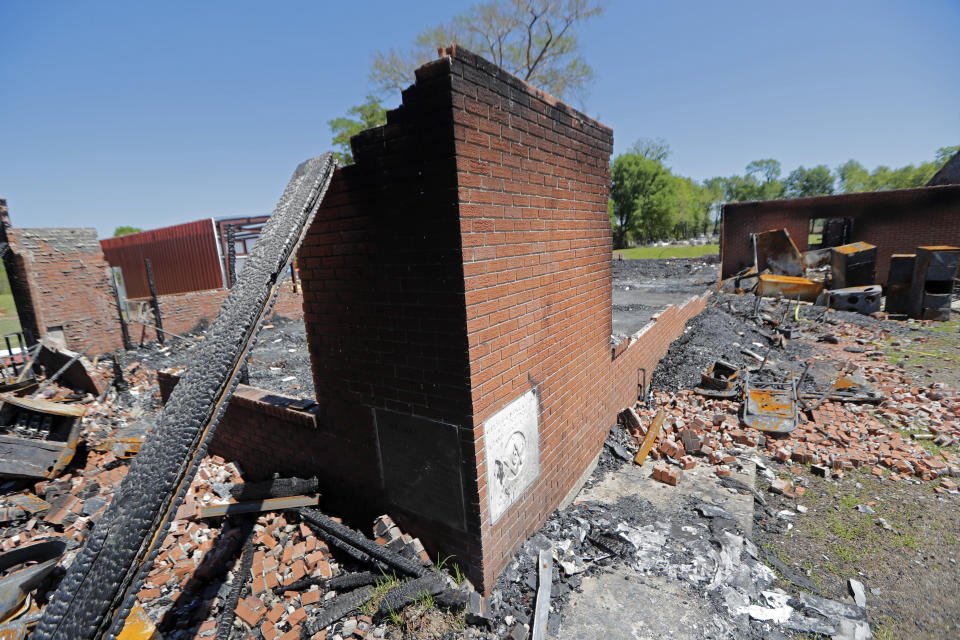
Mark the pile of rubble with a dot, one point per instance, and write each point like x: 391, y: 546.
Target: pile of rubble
x: 266, y: 575
x: 834, y: 433
x: 239, y: 560
x: 842, y: 274
x: 273, y: 574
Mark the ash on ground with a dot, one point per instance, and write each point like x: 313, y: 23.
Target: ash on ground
x: 279, y: 359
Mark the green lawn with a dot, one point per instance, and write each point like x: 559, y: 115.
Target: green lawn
x: 8, y: 314
x: 673, y: 251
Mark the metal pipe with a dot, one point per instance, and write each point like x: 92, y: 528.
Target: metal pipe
x: 29, y: 365
x: 171, y: 333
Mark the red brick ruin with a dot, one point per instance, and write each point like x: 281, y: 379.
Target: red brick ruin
x: 458, y: 276
x: 896, y: 221
x: 456, y: 280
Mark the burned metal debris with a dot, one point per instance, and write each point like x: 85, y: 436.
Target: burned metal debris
x: 770, y: 405
x: 38, y: 438
x: 844, y: 277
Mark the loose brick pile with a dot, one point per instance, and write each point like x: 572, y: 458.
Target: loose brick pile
x: 835, y: 437
x: 284, y: 552
x: 79, y: 498
x: 195, y: 553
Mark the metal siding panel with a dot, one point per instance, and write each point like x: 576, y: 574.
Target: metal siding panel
x: 184, y: 258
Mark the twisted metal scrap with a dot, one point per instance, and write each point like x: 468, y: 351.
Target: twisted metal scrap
x: 100, y: 587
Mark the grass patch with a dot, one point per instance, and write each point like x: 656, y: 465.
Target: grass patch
x: 846, y: 554
x: 885, y: 629
x: 910, y: 540
x: 382, y: 586
x: 442, y: 564
x: 9, y: 322
x: 672, y: 251
x: 426, y: 600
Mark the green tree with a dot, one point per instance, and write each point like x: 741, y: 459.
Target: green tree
x: 945, y: 153
x: 803, y: 182
x: 852, y: 177
x: 768, y: 169
x: 761, y: 181
x: 642, y: 194
x: 883, y: 177
x: 359, y: 118
x: 693, y: 206
x: 535, y: 40
x: 123, y: 231
x: 655, y: 149
x: 713, y: 194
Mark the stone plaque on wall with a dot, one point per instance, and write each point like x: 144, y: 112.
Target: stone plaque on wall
x: 512, y: 445
x: 420, y: 462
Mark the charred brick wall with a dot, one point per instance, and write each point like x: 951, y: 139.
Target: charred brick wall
x: 463, y: 260
x: 895, y: 221
x: 61, y: 282
x: 383, y: 304
x: 265, y: 436
x: 259, y: 430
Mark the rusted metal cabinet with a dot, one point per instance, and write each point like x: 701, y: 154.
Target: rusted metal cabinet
x: 931, y: 289
x: 853, y: 265
x: 898, y: 282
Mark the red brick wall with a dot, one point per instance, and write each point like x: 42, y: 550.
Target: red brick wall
x: 383, y: 304
x: 533, y: 180
x: 645, y: 349
x: 63, y: 281
x: 895, y: 221
x: 264, y: 436
x: 183, y: 312
x: 261, y: 452
x: 463, y: 260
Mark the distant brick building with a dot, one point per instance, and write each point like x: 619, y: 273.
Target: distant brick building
x: 896, y: 221
x: 61, y: 287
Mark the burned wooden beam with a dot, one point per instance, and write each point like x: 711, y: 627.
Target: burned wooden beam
x: 255, y: 506
x: 154, y: 303
x: 650, y: 438
x: 127, y: 344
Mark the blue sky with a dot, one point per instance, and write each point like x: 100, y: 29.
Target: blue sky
x: 151, y: 114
